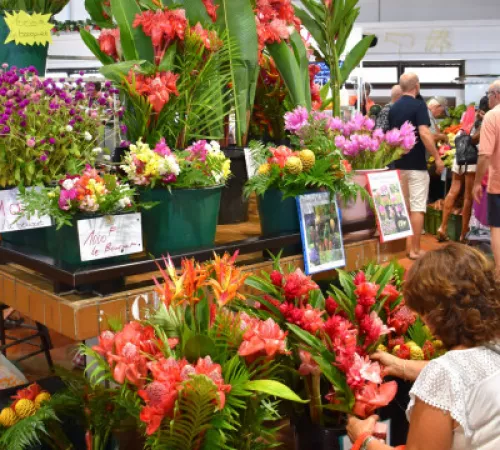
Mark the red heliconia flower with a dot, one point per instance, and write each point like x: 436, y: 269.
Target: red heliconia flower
x: 429, y: 350
x: 331, y: 306
x: 372, y: 397
x: 277, y: 278
x: 211, y: 9
x: 264, y: 339
x: 360, y: 278
x: 391, y: 293
x: 401, y: 320
x: 403, y: 352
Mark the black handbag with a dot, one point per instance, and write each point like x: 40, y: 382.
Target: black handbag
x: 466, y: 151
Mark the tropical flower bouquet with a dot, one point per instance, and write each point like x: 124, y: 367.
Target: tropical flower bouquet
x: 89, y: 193
x: 196, y: 374
x: 48, y: 128
x: 331, y: 340
x: 201, y: 164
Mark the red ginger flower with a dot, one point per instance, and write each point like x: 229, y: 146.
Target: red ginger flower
x: 331, y: 306
x: 373, y: 327
x: 401, y: 320
x: 396, y: 341
x: 162, y: 26
x: 403, y: 352
x: 263, y: 339
x: 160, y: 398
x: 391, y: 293
x: 429, y: 350
x: 298, y: 285
x: 306, y: 317
x: 277, y: 278
x: 360, y: 278
x: 211, y: 9
x: 372, y: 397
x: 157, y: 89
x: 109, y: 43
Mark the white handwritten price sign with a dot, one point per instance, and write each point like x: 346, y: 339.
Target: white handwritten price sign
x: 105, y: 237
x: 11, y: 207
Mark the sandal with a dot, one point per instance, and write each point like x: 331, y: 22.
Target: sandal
x: 442, y: 237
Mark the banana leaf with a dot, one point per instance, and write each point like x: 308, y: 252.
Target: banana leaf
x: 354, y: 57
x: 135, y: 44
x: 300, y: 52
x: 95, y: 10
x: 196, y: 12
x: 237, y: 20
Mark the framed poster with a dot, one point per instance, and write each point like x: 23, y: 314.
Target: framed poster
x: 321, y: 233
x: 390, y: 206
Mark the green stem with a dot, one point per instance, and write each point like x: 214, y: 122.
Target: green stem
x: 336, y: 81
x: 315, y: 405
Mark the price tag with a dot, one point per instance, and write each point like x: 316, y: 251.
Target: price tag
x: 252, y: 166
x: 26, y: 29
x: 11, y: 207
x: 109, y: 236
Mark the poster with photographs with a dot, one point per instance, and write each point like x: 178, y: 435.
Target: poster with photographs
x: 321, y: 234
x: 390, y: 207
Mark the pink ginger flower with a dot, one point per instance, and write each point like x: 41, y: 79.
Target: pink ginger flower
x: 393, y: 137
x: 335, y: 124
x: 340, y: 142
x: 372, y: 397
x: 265, y: 339
x: 378, y: 134
x: 369, y: 124
x: 297, y: 119
x: 363, y: 370
x: 308, y: 366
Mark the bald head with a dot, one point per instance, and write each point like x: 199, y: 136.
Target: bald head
x: 396, y: 93
x: 494, y: 94
x: 409, y: 83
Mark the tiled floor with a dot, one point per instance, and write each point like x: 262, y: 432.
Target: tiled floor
x: 64, y: 348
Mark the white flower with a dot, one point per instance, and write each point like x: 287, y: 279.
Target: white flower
x: 88, y: 136
x: 69, y: 128
x: 124, y: 202
x: 218, y: 177
x: 173, y: 165
x: 97, y: 150
x: 106, y: 157
x: 215, y: 147
x: 68, y: 184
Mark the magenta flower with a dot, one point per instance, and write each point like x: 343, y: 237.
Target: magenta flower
x: 347, y: 129
x: 170, y: 178
x: 393, y: 137
x: 358, y: 122
x: 198, y: 151
x: 378, y: 134
x: 374, y: 145
x: 340, y: 142
x: 335, y: 124
x: 406, y: 129
x: 162, y: 148
x: 369, y: 124
x: 296, y: 119
x: 65, y: 198
x: 409, y: 142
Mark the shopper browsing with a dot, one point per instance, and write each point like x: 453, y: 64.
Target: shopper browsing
x: 489, y: 158
x: 438, y: 108
x: 455, y: 401
x: 413, y: 166
x: 383, y: 117
x: 463, y: 174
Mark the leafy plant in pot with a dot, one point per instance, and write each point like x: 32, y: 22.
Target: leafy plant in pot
x: 330, y: 340
x: 26, y: 55
x: 187, y: 184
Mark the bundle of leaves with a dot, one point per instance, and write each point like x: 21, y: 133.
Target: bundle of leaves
x: 196, y: 374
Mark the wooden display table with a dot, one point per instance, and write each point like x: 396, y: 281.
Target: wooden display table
x: 36, y: 291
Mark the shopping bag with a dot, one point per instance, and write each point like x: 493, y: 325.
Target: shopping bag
x: 10, y: 375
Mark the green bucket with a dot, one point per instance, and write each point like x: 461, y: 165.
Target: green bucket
x: 184, y: 220
x: 278, y: 216
x: 64, y: 246
x: 21, y: 55
x: 34, y: 239
x: 455, y: 227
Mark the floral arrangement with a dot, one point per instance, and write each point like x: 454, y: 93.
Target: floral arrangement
x: 196, y: 374
x: 318, y: 164
x: 331, y: 339
x: 201, y: 164
x: 360, y: 143
x: 34, y: 6
x: 87, y: 193
x: 70, y: 26
x: 47, y: 127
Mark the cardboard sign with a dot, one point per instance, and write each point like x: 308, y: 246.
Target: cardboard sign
x: 322, y: 241
x: 10, y: 208
x: 105, y: 237
x: 26, y: 29
x: 390, y: 206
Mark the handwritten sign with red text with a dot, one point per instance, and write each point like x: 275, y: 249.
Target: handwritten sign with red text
x: 10, y: 208
x: 109, y: 236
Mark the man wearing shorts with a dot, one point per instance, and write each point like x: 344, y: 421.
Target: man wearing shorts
x: 489, y: 158
x: 413, y: 165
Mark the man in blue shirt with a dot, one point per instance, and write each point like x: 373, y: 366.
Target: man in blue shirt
x: 413, y: 165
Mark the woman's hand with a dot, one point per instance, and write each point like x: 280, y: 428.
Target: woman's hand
x: 391, y: 363
x: 357, y: 427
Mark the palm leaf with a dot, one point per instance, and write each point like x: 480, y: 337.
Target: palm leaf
x: 354, y: 57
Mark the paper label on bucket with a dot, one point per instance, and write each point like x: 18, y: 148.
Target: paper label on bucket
x: 250, y: 162
x: 11, y: 207
x: 105, y: 237
x: 28, y: 29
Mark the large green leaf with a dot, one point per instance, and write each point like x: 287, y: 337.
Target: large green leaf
x: 92, y: 44
x: 274, y: 388
x: 237, y: 20
x: 354, y: 57
x: 135, y: 44
x: 289, y: 69
x: 94, y: 8
x: 199, y: 346
x: 115, y: 72
x: 196, y: 12
x: 314, y: 27
x: 300, y: 52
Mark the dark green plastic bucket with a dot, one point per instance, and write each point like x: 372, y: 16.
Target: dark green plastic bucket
x: 278, y: 216
x: 21, y: 55
x: 63, y: 245
x: 35, y: 239
x: 185, y: 219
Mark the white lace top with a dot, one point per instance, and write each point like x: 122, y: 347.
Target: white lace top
x: 447, y: 382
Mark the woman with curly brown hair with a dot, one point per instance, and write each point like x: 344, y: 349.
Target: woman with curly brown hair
x: 455, y: 401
